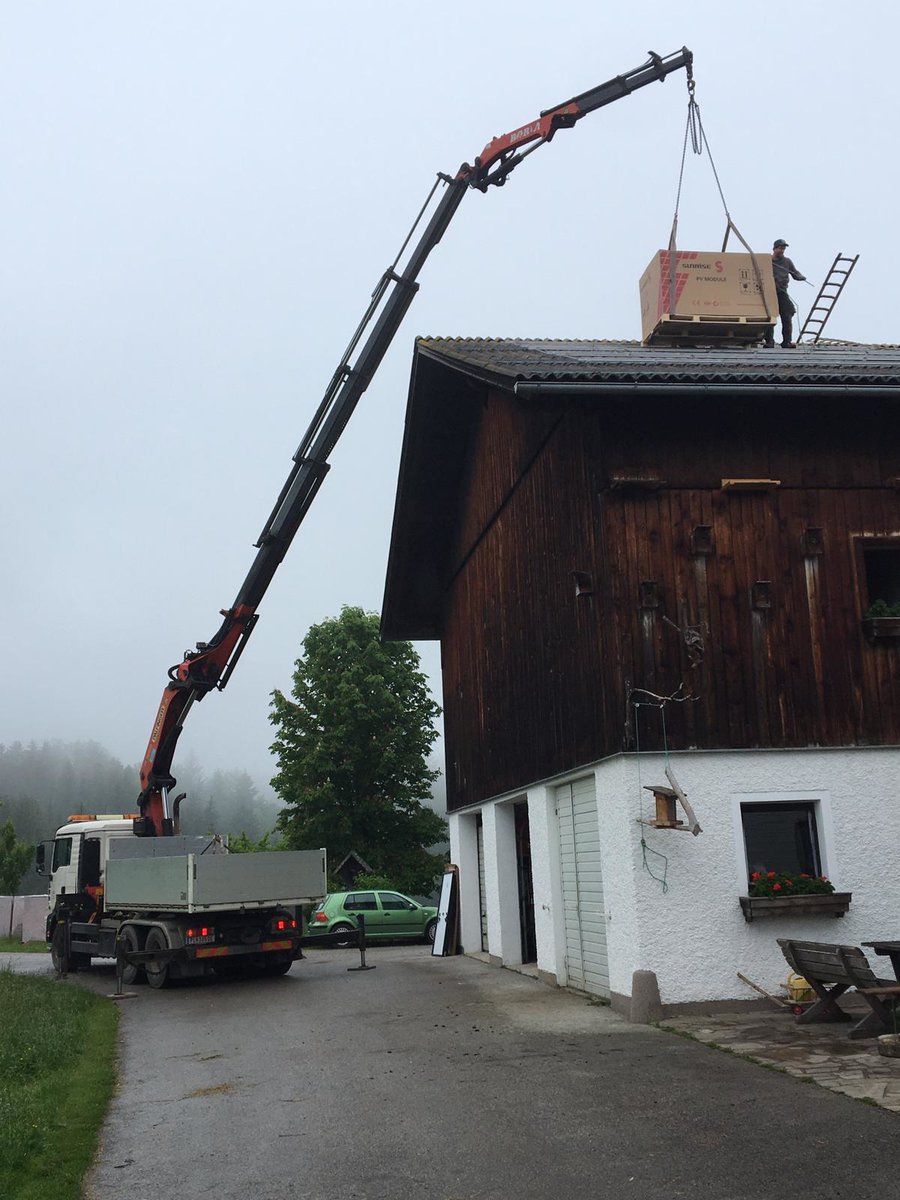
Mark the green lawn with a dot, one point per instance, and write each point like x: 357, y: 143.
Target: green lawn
x: 14, y: 946
x: 57, y: 1073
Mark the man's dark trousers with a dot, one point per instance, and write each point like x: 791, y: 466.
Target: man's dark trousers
x: 786, y: 311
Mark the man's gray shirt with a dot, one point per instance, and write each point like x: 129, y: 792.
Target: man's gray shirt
x: 783, y: 268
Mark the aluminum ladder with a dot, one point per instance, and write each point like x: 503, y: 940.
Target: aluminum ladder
x: 837, y: 276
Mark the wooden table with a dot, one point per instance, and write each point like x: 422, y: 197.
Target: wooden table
x: 890, y: 950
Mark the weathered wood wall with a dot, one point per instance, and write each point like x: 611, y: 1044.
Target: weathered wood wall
x: 537, y: 678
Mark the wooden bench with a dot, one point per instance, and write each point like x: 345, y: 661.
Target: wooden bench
x: 831, y: 970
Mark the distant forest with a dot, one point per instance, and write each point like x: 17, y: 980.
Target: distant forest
x: 42, y: 784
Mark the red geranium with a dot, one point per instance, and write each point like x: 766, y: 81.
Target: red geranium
x: 770, y: 883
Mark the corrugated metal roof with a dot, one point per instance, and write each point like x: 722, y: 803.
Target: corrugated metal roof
x: 505, y: 360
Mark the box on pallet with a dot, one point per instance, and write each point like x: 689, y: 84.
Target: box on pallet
x: 707, y: 288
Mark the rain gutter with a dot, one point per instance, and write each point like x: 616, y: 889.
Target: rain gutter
x: 526, y: 390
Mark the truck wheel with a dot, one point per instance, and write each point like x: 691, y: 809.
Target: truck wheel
x: 131, y: 972
x: 75, y: 962
x: 229, y: 968
x: 157, y: 973
x: 57, y: 953
x: 272, y: 969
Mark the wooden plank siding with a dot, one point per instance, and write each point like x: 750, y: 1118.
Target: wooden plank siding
x: 537, y: 678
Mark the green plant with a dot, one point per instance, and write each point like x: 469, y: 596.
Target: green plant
x: 15, y: 859
x: 783, y: 883
x: 240, y: 843
x: 57, y: 1073
x: 882, y: 608
x: 374, y: 882
x: 14, y: 945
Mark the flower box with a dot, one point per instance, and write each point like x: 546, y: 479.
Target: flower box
x: 881, y: 629
x: 833, y: 904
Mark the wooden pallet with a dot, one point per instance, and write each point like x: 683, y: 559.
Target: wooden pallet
x: 708, y: 330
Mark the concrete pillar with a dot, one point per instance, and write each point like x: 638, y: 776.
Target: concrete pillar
x: 502, y: 884
x: 646, y: 1006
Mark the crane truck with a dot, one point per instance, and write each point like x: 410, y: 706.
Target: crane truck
x: 132, y: 884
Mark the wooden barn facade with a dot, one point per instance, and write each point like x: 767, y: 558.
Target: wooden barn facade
x: 635, y: 559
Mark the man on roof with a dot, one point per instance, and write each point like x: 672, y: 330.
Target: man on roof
x: 783, y: 268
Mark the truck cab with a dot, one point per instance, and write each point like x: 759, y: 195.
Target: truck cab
x: 75, y: 862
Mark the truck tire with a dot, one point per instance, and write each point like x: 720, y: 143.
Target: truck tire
x: 273, y: 969
x: 157, y: 973
x: 57, y: 952
x: 62, y: 966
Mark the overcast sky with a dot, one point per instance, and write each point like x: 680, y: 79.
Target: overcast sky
x: 200, y: 195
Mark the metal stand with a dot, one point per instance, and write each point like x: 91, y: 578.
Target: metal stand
x: 121, y: 959
x: 361, y: 940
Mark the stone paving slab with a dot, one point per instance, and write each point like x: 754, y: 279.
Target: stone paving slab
x: 822, y: 1054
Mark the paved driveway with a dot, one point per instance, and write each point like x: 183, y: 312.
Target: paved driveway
x: 452, y: 1080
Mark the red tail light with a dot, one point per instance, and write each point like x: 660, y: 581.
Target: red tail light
x: 320, y: 916
x: 198, y: 934
x: 283, y: 924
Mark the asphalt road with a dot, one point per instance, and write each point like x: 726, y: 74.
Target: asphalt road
x: 453, y: 1080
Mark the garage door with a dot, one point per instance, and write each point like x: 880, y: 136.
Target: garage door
x: 587, y: 966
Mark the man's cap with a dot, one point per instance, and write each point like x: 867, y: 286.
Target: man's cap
x: 779, y: 242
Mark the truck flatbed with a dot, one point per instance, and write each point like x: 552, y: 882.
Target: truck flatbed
x: 196, y: 883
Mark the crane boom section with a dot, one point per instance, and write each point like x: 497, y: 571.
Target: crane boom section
x: 210, y: 665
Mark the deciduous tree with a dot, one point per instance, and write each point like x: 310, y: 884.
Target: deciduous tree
x: 15, y: 859
x: 352, y: 745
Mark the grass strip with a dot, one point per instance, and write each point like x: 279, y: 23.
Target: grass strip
x: 10, y: 945
x: 57, y: 1074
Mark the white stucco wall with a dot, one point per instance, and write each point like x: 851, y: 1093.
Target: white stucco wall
x: 693, y: 933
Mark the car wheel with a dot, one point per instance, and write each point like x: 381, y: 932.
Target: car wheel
x: 343, y: 935
x: 430, y: 931
x: 157, y: 973
x: 131, y: 972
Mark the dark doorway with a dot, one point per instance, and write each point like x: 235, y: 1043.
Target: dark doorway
x: 526, y: 883
x: 482, y: 890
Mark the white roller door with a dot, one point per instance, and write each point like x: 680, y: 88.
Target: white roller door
x: 587, y: 965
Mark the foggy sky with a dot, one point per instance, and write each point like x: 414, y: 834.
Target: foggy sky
x: 198, y: 200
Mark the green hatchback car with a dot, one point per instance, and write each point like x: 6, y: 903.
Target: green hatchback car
x: 388, y: 915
